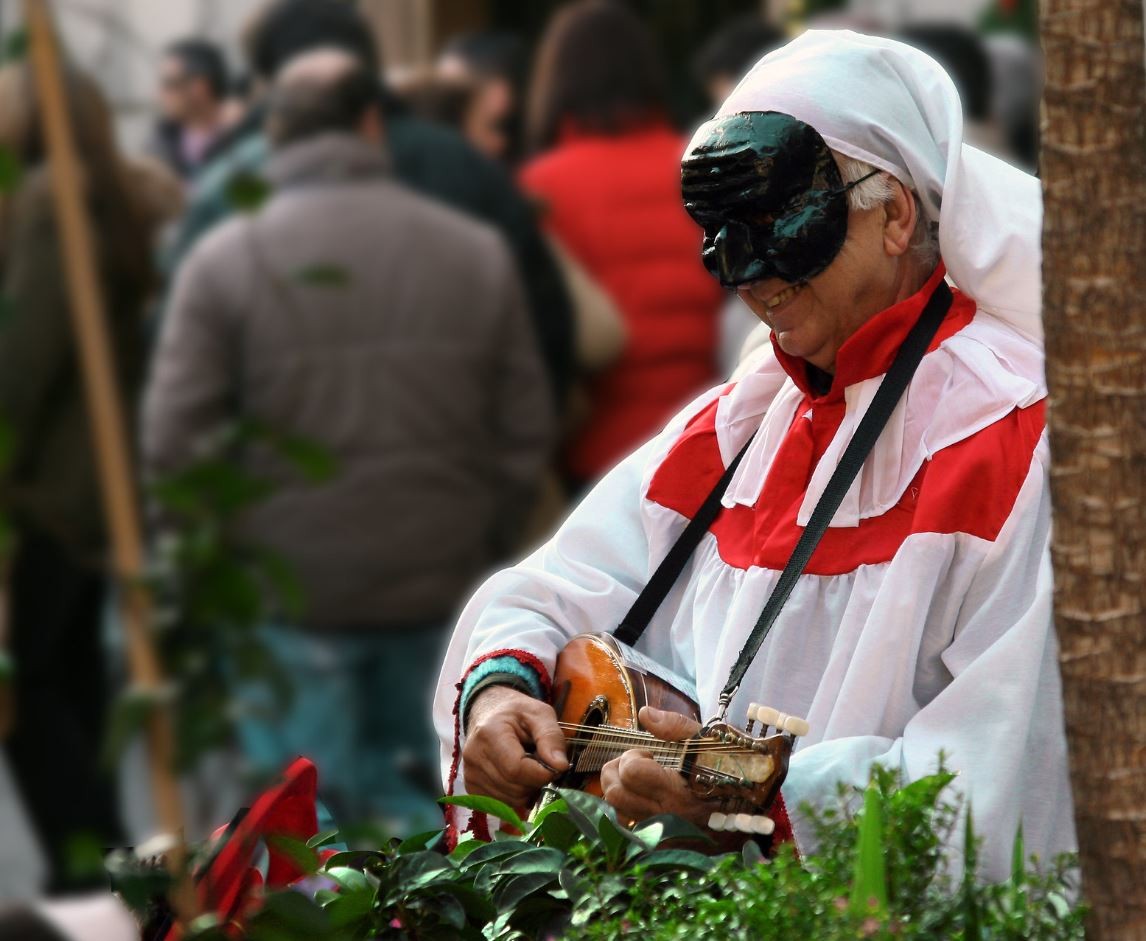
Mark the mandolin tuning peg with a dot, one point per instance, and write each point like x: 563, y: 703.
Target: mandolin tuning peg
x: 763, y: 826
x: 794, y: 725
x: 766, y: 716
x: 742, y: 823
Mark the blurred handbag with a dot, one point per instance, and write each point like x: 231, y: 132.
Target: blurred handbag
x: 601, y: 334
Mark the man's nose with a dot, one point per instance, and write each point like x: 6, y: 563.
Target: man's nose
x: 735, y: 261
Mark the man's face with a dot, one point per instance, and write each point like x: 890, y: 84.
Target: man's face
x: 179, y: 91
x: 813, y: 318
x: 767, y: 191
x: 486, y: 123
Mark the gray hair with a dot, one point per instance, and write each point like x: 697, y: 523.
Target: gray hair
x: 877, y: 190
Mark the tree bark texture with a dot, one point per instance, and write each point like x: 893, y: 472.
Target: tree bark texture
x: 1094, y: 275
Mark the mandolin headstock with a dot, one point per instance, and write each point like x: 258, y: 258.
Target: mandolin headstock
x: 742, y: 771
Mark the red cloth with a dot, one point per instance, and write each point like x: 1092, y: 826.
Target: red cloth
x: 230, y: 885
x: 614, y: 203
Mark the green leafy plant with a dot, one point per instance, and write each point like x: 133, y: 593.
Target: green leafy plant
x: 575, y: 872
x: 247, y: 192
x: 213, y: 590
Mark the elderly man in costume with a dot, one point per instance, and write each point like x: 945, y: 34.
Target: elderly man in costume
x: 837, y: 197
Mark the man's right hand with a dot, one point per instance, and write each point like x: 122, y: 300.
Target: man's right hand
x: 503, y: 728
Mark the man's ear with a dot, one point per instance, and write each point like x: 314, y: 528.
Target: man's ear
x: 899, y: 220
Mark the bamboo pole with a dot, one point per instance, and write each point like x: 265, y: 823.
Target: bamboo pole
x: 117, y: 480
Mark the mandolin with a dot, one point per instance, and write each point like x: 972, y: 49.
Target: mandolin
x: 600, y: 685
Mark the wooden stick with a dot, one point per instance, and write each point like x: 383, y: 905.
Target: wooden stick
x: 117, y: 479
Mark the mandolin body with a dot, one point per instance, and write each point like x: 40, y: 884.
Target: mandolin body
x: 599, y: 687
x: 598, y: 681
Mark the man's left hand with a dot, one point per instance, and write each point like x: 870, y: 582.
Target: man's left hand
x: 638, y: 787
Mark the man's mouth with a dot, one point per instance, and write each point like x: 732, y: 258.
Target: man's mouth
x: 785, y: 295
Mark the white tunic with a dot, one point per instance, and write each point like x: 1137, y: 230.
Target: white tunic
x: 923, y: 622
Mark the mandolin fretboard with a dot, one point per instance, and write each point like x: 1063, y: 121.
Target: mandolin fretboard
x: 601, y: 745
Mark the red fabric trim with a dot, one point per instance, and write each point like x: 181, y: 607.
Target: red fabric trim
x: 479, y: 824
x: 783, y: 832
x: 969, y: 487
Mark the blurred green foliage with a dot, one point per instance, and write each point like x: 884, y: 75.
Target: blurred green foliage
x: 213, y: 591
x: 247, y: 191
x: 577, y: 873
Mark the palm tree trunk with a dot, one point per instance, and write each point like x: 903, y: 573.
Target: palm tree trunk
x: 1094, y: 274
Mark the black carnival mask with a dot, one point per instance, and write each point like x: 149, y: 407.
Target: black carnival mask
x: 769, y: 196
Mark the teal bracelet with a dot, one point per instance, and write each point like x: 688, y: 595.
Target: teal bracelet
x: 505, y: 669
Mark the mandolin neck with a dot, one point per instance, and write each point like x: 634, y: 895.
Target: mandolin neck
x: 602, y: 744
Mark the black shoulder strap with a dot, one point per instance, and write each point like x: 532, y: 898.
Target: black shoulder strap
x: 634, y: 623
x: 887, y: 396
x: 883, y: 404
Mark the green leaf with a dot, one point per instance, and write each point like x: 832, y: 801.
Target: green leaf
x: 422, y: 869
x: 677, y: 859
x: 15, y: 46
x: 554, y: 805
x: 479, y: 908
x: 968, y: 897
x: 247, y: 191
x: 282, y: 582
x: 128, y: 717
x: 322, y: 839
x: 420, y: 841
x: 534, y: 859
x: 7, y: 666
x: 512, y: 891
x: 138, y: 884
x: 353, y: 880
x: 11, y: 170
x: 288, y: 916
x: 323, y: 275
x: 450, y: 910
x: 573, y: 887
x: 665, y: 827
x: 1018, y: 859
x: 352, y: 909
x: 558, y: 831
x: 299, y: 854
x: 486, y: 805
x: 488, y: 852
x: 613, y: 839
x: 869, y: 884
x: 313, y: 460
x: 583, y: 810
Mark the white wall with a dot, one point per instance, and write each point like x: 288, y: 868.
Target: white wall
x: 120, y: 41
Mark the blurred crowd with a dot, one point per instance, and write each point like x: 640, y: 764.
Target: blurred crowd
x: 473, y: 285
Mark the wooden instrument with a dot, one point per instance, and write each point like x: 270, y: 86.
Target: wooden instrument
x: 599, y: 686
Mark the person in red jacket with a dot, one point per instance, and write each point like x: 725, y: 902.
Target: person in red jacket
x: 607, y: 176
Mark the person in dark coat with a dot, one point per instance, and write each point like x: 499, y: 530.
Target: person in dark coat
x: 193, y: 88
x: 58, y: 576
x: 417, y: 374
x: 433, y: 160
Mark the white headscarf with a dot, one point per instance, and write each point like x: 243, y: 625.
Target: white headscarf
x: 892, y: 106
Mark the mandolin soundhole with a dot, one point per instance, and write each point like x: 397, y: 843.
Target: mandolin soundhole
x: 597, y: 713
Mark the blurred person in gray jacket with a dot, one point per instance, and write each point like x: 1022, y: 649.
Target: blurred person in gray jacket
x: 413, y: 361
